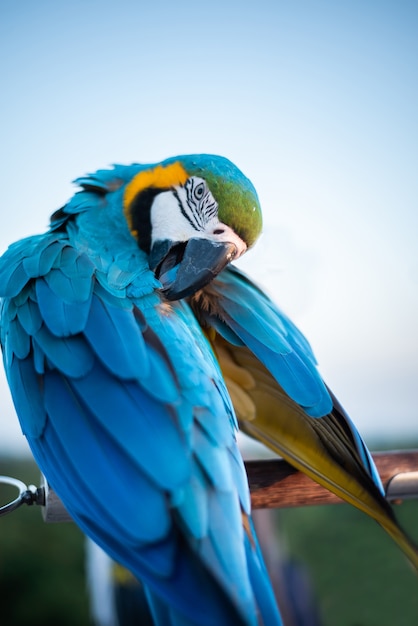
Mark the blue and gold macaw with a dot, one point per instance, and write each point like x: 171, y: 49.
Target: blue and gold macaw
x: 131, y: 346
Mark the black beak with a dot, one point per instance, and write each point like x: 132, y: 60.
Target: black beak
x: 184, y: 268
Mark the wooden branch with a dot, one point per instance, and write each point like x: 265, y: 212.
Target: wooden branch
x: 273, y: 484
x: 276, y: 484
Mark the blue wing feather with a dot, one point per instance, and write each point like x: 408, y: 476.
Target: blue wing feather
x: 19, y: 339
x: 30, y: 317
x: 113, y: 334
x: 127, y: 414
x: 42, y: 260
x: 69, y: 289
x: 272, y: 337
x: 193, y: 506
x: 167, y: 388
x: 213, y: 461
x: 62, y: 318
x: 71, y: 355
x: 288, y: 357
x: 257, y: 573
x: 293, y: 373
x: 27, y: 397
x: 13, y: 279
x: 293, y: 411
x: 95, y: 451
x: 107, y: 397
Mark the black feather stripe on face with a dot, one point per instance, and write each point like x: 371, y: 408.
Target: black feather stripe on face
x: 140, y: 214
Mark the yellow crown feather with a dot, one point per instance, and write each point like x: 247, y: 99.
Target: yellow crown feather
x: 158, y: 177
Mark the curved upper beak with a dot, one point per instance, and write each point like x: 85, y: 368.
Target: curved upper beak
x: 184, y: 268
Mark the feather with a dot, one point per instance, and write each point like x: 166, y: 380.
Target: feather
x: 25, y: 386
x: 213, y: 460
x: 75, y: 265
x: 100, y: 448
x: 258, y: 573
x: 192, y: 504
x: 19, y: 339
x: 293, y: 374
x: 29, y: 316
x: 133, y: 418
x: 50, y: 254
x: 72, y: 289
x: 160, y: 369
x: 115, y: 337
x: 71, y: 355
x: 39, y: 263
x: 292, y: 370
x: 13, y: 279
x: 328, y: 449
x: 62, y: 318
x: 240, y: 479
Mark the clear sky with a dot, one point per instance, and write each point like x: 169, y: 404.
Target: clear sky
x: 316, y: 101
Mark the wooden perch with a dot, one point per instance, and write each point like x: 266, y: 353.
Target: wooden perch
x: 276, y: 484
x: 273, y: 484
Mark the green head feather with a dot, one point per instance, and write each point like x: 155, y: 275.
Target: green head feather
x: 239, y: 206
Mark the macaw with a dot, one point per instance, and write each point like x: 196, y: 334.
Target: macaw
x: 132, y: 345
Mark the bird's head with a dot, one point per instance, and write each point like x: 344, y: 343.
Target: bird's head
x: 192, y: 215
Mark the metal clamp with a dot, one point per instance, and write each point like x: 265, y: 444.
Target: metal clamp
x: 53, y: 509
x: 28, y: 494
x: 402, y: 486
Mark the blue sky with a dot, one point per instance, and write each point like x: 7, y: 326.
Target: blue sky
x: 315, y: 101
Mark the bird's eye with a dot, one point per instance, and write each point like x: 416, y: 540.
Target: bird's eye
x: 199, y: 191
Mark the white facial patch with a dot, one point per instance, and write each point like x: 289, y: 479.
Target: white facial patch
x: 167, y: 220
x: 190, y: 211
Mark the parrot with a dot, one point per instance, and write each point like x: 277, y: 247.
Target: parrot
x: 135, y: 349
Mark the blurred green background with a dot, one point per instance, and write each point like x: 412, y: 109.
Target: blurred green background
x: 359, y: 576
x: 41, y: 565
